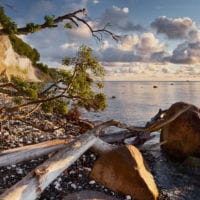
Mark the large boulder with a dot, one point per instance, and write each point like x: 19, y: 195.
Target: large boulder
x: 182, y: 135
x: 123, y: 170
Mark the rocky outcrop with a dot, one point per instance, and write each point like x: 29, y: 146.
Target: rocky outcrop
x: 123, y: 170
x: 13, y: 63
x: 182, y: 135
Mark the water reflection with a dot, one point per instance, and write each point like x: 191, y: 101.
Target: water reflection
x: 137, y: 102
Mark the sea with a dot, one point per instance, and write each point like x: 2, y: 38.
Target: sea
x: 136, y: 102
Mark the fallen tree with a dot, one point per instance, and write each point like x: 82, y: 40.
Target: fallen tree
x: 31, y: 186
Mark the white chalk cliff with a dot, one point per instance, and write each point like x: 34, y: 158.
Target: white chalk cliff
x: 13, y: 63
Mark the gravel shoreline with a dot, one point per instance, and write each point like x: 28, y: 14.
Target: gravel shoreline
x: 74, y: 179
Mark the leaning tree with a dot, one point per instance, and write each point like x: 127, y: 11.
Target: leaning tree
x: 60, y: 91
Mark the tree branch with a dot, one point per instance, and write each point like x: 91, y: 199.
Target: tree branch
x: 71, y: 17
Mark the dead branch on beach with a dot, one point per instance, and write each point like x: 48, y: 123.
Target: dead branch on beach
x: 67, y: 152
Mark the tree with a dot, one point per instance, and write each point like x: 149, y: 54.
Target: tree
x: 69, y: 88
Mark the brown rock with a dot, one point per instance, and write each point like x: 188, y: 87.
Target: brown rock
x: 182, y: 135
x: 88, y: 195
x: 123, y: 170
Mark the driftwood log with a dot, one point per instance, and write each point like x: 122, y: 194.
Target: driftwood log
x: 31, y: 186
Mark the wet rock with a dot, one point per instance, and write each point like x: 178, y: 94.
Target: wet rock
x: 123, y: 170
x: 182, y: 134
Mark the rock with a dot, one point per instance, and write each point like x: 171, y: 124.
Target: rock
x: 123, y: 170
x: 155, y: 86
x: 182, y: 134
x: 88, y: 195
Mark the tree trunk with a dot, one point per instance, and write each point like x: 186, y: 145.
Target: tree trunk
x: 100, y: 147
x: 16, y: 155
x: 35, y: 182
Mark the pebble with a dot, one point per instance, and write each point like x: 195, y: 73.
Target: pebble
x: 92, y: 182
x: 19, y: 171
x: 57, y: 185
x: 73, y: 186
x: 128, y: 197
x: 72, y: 172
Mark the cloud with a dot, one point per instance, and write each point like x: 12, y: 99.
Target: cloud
x: 118, y: 19
x: 186, y: 53
x: 134, y: 48
x: 173, y: 28
x: 150, y: 71
x: 95, y: 1
x: 128, y: 42
x: 148, y: 43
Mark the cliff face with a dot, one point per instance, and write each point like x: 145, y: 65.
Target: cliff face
x: 13, y: 63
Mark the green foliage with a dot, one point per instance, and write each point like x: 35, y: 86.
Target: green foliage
x: 47, y: 107
x: 61, y: 106
x: 7, y: 23
x: 77, y: 85
x: 88, y: 73
x: 42, y: 67
x: 57, y: 106
x: 26, y: 88
x: 100, y: 101
x: 49, y: 20
x: 32, y: 27
x: 17, y: 100
x: 24, y: 49
x: 68, y: 26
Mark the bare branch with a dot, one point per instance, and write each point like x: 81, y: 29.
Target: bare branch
x: 73, y: 17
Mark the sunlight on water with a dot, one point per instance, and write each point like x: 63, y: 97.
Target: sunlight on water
x: 136, y: 102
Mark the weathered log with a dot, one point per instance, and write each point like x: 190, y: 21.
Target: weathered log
x: 16, y: 155
x: 36, y: 181
x: 31, y: 186
x: 118, y: 136
x: 100, y: 147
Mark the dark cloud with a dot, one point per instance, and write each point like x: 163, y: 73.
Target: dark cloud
x: 173, y: 28
x: 116, y: 55
x: 186, y: 53
x: 160, y: 57
x: 118, y: 19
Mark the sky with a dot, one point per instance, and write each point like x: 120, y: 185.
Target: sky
x: 160, y: 39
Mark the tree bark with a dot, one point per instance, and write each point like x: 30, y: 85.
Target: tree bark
x: 100, y: 147
x: 35, y: 182
x: 16, y: 155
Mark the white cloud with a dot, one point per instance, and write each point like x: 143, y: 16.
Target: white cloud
x: 95, y: 1
x: 148, y: 43
x: 69, y: 46
x: 134, y: 48
x: 128, y: 42
x: 125, y: 10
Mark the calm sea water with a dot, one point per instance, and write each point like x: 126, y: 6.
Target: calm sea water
x: 137, y: 102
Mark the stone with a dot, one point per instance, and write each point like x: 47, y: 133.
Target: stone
x: 123, y: 170
x: 182, y: 135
